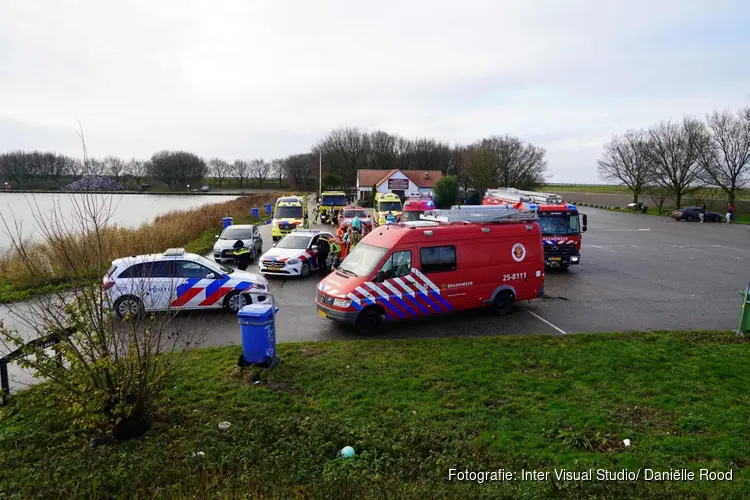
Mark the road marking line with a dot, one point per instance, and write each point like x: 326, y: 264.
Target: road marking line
x: 649, y: 229
x: 545, y: 321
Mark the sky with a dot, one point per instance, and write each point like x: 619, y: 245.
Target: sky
x: 265, y: 79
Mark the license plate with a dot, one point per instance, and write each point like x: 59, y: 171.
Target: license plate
x: 555, y: 258
x: 230, y: 253
x: 322, y: 314
x: 274, y: 268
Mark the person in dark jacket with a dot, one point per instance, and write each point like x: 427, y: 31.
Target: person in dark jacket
x: 323, y: 250
x: 241, y: 255
x: 702, y: 214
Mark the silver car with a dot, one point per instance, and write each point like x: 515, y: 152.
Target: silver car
x: 248, y: 233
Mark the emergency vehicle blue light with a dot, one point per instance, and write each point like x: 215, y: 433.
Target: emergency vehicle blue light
x: 429, y: 204
x: 571, y: 207
x: 533, y: 206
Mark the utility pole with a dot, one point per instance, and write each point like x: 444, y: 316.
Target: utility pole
x: 320, y: 175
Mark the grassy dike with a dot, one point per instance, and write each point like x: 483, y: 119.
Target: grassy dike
x: 412, y: 410
x: 193, y: 229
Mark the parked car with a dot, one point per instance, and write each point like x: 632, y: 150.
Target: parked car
x: 345, y: 217
x: 295, y: 255
x: 692, y: 214
x: 177, y: 280
x: 204, y: 189
x: 248, y: 233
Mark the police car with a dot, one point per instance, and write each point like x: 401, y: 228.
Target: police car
x: 294, y: 255
x: 176, y: 280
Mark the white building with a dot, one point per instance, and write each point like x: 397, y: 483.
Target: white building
x: 396, y: 181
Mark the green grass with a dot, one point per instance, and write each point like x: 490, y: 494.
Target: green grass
x: 412, y: 410
x: 586, y: 188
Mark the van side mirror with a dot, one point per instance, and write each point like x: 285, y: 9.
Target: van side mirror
x: 379, y: 277
x: 585, y: 222
x: 210, y: 276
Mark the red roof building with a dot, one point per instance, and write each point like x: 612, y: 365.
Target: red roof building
x: 397, y: 181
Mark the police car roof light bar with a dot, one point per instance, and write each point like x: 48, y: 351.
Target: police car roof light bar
x: 174, y: 252
x: 484, y: 214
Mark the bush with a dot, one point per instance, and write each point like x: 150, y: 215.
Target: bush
x: 446, y: 191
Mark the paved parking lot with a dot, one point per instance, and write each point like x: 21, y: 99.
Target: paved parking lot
x: 637, y: 272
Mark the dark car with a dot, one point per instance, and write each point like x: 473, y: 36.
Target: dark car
x: 692, y: 214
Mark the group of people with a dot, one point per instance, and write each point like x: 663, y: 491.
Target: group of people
x: 702, y: 213
x: 341, y: 245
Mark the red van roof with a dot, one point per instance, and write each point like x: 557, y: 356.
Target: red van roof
x: 414, y: 232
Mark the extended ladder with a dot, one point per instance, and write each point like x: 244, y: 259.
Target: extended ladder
x: 517, y: 195
x: 479, y: 213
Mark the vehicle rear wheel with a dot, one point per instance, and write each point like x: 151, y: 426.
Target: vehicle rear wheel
x: 234, y: 301
x: 503, y: 303
x: 305, y: 271
x: 369, y: 321
x: 129, y: 306
x: 690, y: 218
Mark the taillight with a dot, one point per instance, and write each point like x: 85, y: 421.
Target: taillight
x: 107, y: 283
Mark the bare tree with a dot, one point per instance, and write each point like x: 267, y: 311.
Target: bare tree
x: 345, y: 151
x: 93, y: 167
x: 260, y: 170
x: 659, y: 194
x: 278, y: 168
x: 383, y: 151
x: 114, y: 167
x: 675, y: 151
x: 219, y: 169
x: 625, y: 160
x: 519, y: 165
x: 107, y: 373
x: 480, y: 165
x: 297, y: 168
x: 137, y: 169
x: 726, y: 155
x: 241, y: 170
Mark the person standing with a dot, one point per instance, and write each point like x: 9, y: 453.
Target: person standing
x: 730, y: 213
x: 241, y: 255
x: 323, y: 250
x: 335, y: 252
x: 702, y: 214
x: 390, y: 218
x: 356, y: 223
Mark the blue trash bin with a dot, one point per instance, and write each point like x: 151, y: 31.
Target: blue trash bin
x: 255, y: 211
x: 258, y: 330
x: 227, y: 221
x: 268, y: 208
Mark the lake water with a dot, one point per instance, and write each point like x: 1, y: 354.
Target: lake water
x: 129, y: 210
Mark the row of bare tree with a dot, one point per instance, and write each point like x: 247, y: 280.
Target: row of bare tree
x: 682, y: 157
x: 492, y: 161
x: 488, y: 162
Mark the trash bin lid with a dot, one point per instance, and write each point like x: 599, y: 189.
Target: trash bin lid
x: 257, y: 312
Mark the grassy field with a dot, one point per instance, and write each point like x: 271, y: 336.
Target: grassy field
x: 710, y: 194
x: 193, y: 229
x: 412, y: 410
x: 738, y: 219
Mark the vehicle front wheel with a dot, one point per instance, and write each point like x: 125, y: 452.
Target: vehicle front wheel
x: 234, y: 301
x: 305, y: 271
x: 128, y: 307
x: 503, y: 303
x: 369, y: 322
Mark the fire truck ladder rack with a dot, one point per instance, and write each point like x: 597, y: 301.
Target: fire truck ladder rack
x: 513, y: 194
x: 479, y: 214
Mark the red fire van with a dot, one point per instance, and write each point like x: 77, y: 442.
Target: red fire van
x: 450, y: 260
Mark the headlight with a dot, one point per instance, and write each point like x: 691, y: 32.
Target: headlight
x: 217, y: 249
x: 260, y: 286
x: 342, y: 303
x: 293, y: 261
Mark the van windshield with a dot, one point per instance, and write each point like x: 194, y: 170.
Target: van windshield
x: 287, y: 213
x: 363, y: 259
x: 389, y: 206
x: 333, y: 200
x: 411, y: 215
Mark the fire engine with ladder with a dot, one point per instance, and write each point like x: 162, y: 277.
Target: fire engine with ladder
x: 562, y: 225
